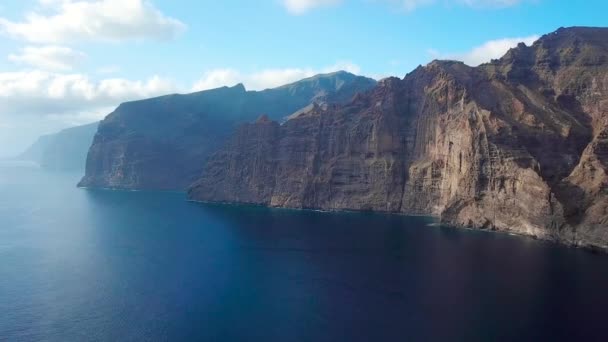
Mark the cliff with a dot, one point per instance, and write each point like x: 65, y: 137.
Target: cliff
x: 63, y: 151
x: 162, y: 143
x: 519, y: 145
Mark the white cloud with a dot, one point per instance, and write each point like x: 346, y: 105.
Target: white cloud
x: 95, y: 20
x: 217, y: 78
x: 44, y: 93
x: 40, y: 102
x: 490, y: 3
x: 52, y: 57
x: 302, y: 6
x: 272, y: 78
x: 267, y: 78
x: 487, y: 51
x: 410, y: 5
x: 413, y: 4
x: 70, y: 96
x: 108, y: 69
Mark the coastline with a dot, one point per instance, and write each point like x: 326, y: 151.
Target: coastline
x: 438, y: 221
x: 594, y: 249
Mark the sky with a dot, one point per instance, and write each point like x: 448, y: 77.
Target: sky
x: 70, y: 62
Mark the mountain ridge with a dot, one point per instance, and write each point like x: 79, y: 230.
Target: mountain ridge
x: 65, y: 150
x: 161, y: 143
x: 516, y: 145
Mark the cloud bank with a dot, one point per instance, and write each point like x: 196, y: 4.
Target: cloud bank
x: 267, y: 78
x: 41, y: 93
x: 487, y: 51
x: 51, y: 57
x: 38, y: 93
x: 100, y: 20
x: 298, y: 7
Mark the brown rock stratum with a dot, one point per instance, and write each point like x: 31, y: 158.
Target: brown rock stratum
x: 518, y: 145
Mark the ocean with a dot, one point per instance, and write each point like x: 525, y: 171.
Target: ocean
x: 97, y: 265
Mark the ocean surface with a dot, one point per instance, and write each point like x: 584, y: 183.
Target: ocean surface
x: 91, y: 265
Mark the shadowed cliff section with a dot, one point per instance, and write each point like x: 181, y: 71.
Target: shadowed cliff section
x: 513, y: 145
x: 162, y: 143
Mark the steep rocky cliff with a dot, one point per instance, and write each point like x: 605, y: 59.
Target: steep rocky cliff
x: 519, y: 144
x: 64, y: 150
x: 162, y: 143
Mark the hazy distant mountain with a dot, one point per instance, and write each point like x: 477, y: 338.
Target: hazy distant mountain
x: 36, y: 151
x: 65, y: 150
x: 519, y: 144
x: 163, y: 142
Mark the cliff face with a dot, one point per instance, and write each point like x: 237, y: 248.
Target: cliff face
x: 162, y: 143
x: 519, y: 144
x: 65, y: 150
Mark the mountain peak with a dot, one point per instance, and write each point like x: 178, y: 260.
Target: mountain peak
x: 574, y: 35
x: 263, y: 119
x: 563, y: 48
x: 339, y: 75
x: 318, y: 77
x: 335, y: 73
x: 239, y: 87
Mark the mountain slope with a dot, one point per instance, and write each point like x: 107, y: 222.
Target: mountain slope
x: 517, y: 145
x: 65, y: 150
x: 162, y: 143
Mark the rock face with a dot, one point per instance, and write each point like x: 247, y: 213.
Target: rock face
x: 162, y: 143
x: 63, y: 151
x: 519, y: 144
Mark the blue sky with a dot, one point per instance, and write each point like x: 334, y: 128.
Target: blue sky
x: 66, y: 62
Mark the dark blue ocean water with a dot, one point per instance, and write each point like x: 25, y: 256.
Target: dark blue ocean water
x: 83, y: 265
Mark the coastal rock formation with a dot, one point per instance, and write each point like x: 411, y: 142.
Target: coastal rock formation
x: 63, y: 151
x: 519, y: 144
x: 162, y: 143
